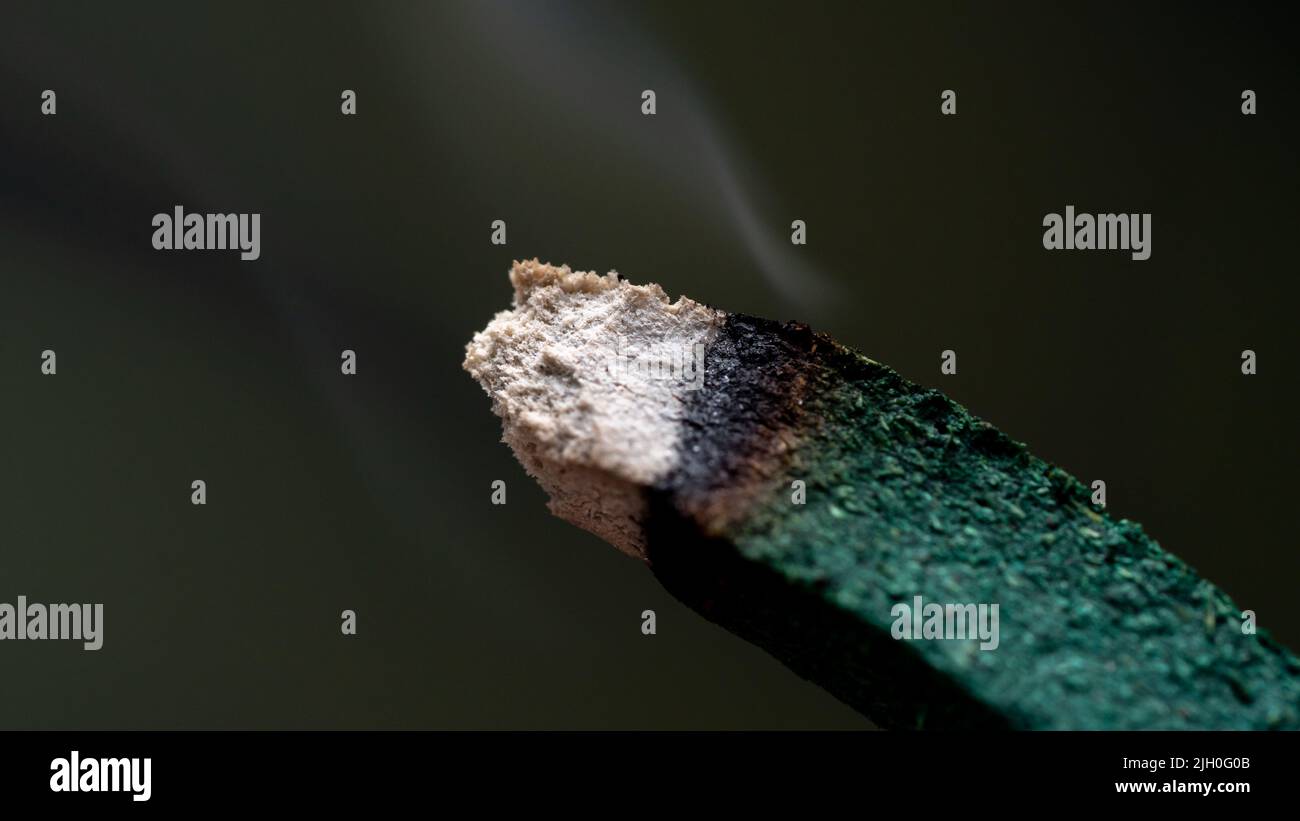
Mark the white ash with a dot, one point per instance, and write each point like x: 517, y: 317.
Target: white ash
x: 593, y: 432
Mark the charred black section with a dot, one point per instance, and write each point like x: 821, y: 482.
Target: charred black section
x: 756, y: 385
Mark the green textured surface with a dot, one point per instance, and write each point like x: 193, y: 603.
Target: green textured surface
x: 908, y: 494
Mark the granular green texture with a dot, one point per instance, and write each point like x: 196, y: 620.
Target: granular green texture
x: 910, y: 495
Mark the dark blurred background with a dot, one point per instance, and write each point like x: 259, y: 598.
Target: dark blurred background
x: 372, y: 492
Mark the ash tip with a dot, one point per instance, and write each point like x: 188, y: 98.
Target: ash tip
x: 585, y: 374
x: 530, y: 275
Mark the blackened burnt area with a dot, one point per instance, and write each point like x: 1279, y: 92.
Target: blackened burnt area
x: 755, y: 378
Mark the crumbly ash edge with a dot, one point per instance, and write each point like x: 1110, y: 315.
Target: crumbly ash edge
x: 589, y: 374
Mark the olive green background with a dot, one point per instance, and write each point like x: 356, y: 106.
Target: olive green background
x: 372, y: 492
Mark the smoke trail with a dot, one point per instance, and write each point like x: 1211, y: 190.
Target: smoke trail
x: 559, y: 58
